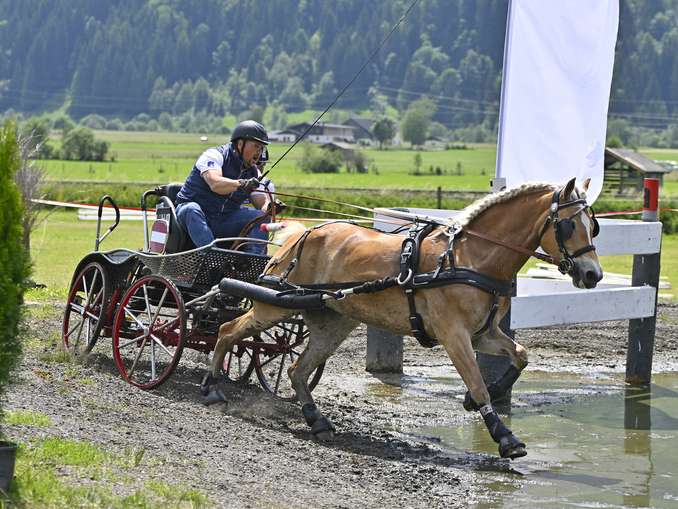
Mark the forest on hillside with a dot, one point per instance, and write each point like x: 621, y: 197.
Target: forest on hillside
x: 123, y: 58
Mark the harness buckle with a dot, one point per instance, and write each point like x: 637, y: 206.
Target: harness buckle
x: 565, y: 265
x: 407, y: 279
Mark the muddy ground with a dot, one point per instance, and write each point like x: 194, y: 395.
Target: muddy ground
x: 257, y: 452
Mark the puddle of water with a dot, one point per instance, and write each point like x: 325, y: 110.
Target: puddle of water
x: 592, y: 442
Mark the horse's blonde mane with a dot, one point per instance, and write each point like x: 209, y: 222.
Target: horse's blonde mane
x: 478, y: 207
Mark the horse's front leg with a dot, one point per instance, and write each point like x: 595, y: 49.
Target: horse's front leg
x: 328, y: 329
x: 495, y: 342
x: 258, y: 318
x: 457, y: 342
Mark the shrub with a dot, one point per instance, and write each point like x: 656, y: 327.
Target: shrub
x: 93, y: 121
x: 15, y: 268
x: 115, y: 124
x: 79, y: 144
x: 317, y: 160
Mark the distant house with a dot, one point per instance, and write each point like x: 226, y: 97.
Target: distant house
x: 347, y: 150
x: 362, y: 128
x: 626, y: 169
x: 284, y: 136
x: 323, y: 133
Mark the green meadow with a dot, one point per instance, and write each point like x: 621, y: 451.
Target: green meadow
x: 156, y: 157
x: 62, y: 240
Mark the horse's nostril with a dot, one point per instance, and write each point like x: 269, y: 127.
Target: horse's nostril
x: 592, y: 276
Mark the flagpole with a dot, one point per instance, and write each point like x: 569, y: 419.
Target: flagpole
x: 507, y: 42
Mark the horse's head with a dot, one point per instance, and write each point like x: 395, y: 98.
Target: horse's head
x: 568, y: 234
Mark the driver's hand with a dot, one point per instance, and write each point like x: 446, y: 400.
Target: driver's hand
x: 248, y: 185
x: 276, y: 206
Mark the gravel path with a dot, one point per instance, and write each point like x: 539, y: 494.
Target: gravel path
x: 256, y: 451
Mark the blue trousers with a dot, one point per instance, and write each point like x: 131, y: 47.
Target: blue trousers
x: 203, y: 229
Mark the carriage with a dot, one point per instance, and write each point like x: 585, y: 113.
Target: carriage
x: 156, y: 302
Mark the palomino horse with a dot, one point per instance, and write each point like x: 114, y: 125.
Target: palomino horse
x: 499, y: 233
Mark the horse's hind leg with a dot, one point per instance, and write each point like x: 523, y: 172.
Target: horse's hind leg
x: 260, y: 317
x: 457, y: 343
x: 328, y: 329
x: 495, y: 342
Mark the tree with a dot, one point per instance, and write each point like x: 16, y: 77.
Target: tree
x: 416, y: 121
x: 13, y: 260
x: 79, y: 144
x: 317, y: 160
x: 384, y: 130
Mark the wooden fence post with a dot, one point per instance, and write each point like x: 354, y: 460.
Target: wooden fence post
x: 646, y: 268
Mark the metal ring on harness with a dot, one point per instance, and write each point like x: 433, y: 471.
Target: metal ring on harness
x: 410, y: 273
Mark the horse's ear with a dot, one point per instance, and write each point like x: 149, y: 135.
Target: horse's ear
x: 586, y: 184
x: 567, y: 192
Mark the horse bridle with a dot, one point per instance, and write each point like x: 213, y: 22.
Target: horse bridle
x: 564, y: 228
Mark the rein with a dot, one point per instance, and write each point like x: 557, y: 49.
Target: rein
x: 518, y: 249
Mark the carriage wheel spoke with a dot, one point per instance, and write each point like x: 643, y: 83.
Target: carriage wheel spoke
x: 68, y: 334
x: 280, y: 369
x: 136, y: 359
x: 148, y: 304
x: 78, y: 308
x: 159, y: 307
x: 156, y: 340
x: 168, y: 324
x: 93, y: 317
x: 133, y: 317
x: 153, y: 373
x: 130, y: 342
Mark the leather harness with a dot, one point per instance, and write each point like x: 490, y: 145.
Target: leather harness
x: 446, y: 272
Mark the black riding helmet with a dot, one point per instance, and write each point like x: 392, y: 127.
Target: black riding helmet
x: 250, y: 130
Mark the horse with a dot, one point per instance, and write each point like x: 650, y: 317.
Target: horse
x: 492, y: 238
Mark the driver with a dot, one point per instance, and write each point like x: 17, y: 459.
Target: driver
x: 210, y: 203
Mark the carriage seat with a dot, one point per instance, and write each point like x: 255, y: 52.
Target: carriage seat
x: 177, y: 239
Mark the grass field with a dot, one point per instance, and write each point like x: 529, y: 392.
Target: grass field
x: 62, y: 240
x: 168, y: 157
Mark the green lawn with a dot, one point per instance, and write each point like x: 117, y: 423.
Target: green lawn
x: 165, y: 157
x: 62, y: 240
x: 168, y: 157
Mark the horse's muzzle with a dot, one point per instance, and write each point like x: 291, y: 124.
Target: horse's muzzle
x: 586, y: 274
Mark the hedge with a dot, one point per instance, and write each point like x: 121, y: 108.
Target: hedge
x: 14, y: 266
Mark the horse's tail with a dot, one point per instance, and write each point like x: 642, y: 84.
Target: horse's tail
x: 292, y: 229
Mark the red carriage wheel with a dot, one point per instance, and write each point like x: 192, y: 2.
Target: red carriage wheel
x: 85, y: 309
x: 238, y: 364
x: 149, y: 331
x: 280, y: 346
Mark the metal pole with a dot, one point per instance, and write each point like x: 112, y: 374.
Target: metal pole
x: 507, y: 45
x: 646, y: 268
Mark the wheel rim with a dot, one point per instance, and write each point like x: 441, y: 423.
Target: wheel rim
x: 286, y: 341
x: 149, y: 332
x: 85, y: 306
x: 238, y: 364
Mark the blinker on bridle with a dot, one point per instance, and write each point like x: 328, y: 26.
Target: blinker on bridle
x: 564, y: 229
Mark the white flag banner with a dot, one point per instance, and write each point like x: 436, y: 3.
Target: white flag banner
x: 556, y: 87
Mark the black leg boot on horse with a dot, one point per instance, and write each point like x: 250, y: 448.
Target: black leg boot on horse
x: 209, y: 387
x: 328, y: 330
x: 496, y: 389
x: 509, y: 445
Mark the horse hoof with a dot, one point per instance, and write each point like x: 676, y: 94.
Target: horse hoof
x: 323, y: 429
x: 214, y: 395
x: 512, y: 448
x: 324, y: 436
x: 469, y: 404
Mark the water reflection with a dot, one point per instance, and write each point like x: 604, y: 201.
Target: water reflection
x: 638, y: 440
